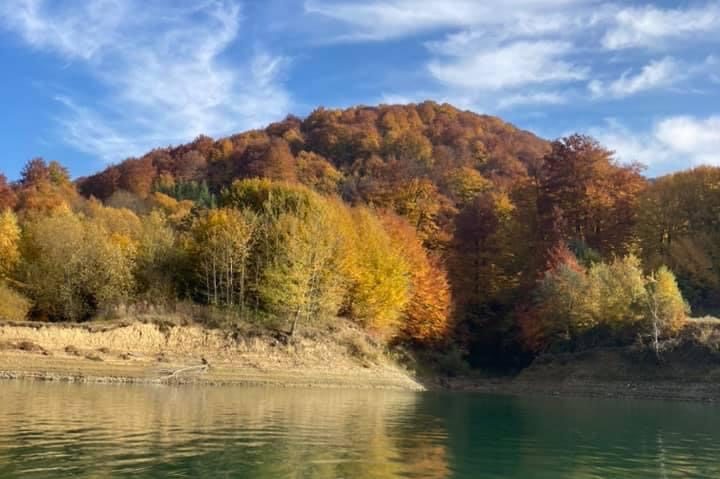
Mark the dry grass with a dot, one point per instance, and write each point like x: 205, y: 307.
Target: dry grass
x: 705, y: 331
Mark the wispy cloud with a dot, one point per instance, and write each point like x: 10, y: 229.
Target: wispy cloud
x: 517, y: 52
x: 374, y: 20
x: 162, y: 66
x: 651, y: 26
x: 81, y: 33
x: 508, y: 66
x: 540, y: 98
x: 656, y: 74
x: 495, y: 54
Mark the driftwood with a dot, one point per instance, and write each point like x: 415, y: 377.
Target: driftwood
x: 202, y: 367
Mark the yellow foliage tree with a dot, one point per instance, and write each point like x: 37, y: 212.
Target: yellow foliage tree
x: 379, y: 277
x: 9, y: 242
x: 300, y: 280
x: 616, y: 292
x: 221, y: 243
x: 667, y: 310
x: 427, y: 314
x: 73, y: 267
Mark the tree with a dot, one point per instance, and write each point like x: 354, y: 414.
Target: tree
x: 464, y: 184
x: 666, y: 308
x: 672, y: 230
x: 616, y: 293
x: 299, y: 280
x: 272, y: 160
x: 8, y: 198
x: 160, y: 264
x: 45, y: 188
x: 427, y: 315
x: 221, y: 243
x: 482, y: 252
x: 9, y: 243
x: 35, y: 171
x: 584, y: 195
x: 316, y: 172
x: 137, y: 176
x: 378, y: 276
x: 73, y: 268
x: 562, y: 298
x: 420, y: 202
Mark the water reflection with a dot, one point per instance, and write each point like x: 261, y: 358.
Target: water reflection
x: 117, y: 431
x: 56, y: 430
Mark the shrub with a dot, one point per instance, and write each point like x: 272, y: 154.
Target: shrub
x: 13, y: 305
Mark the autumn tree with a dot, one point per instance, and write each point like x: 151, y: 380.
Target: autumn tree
x: 580, y: 305
x: 293, y: 263
x: 73, y: 267
x: 666, y: 308
x: 160, y: 265
x: 221, y: 244
x: 481, y: 263
x: 673, y: 231
x: 379, y: 277
x: 299, y: 280
x: 272, y: 160
x: 561, y: 303
x: 137, y: 176
x: 8, y: 198
x: 45, y: 187
x: 585, y: 196
x: 464, y: 184
x: 426, y: 317
x: 316, y: 172
x: 9, y: 243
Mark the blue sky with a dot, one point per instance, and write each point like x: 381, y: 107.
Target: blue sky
x: 92, y: 82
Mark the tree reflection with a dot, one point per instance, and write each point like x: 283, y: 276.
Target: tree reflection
x: 124, y: 431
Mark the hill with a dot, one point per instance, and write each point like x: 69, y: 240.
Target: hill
x: 424, y: 225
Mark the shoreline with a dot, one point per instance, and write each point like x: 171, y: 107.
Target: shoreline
x: 705, y: 392
x: 134, y: 351
x: 147, y: 353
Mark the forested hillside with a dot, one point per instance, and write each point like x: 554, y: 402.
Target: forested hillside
x: 424, y: 224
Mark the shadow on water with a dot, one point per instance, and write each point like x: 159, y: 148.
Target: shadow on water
x: 65, y: 430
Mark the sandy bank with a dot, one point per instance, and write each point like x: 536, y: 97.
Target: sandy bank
x: 137, y: 352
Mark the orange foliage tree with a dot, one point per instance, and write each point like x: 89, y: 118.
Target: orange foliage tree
x: 427, y: 315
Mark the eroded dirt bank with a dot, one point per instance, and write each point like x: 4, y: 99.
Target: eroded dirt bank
x: 141, y: 352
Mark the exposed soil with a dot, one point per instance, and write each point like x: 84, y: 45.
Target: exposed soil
x: 137, y: 352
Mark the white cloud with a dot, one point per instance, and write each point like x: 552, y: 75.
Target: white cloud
x: 656, y: 74
x: 509, y: 66
x: 80, y: 33
x: 650, y: 26
x: 673, y: 143
x: 370, y: 20
x: 697, y: 137
x: 162, y: 67
x: 540, y: 98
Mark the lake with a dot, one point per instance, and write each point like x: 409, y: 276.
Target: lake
x: 93, y: 431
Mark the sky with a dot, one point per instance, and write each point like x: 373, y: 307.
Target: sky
x: 92, y: 82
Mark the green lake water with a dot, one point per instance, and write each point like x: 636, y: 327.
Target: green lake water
x: 96, y: 431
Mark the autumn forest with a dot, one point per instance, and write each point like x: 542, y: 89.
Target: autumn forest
x: 427, y: 226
